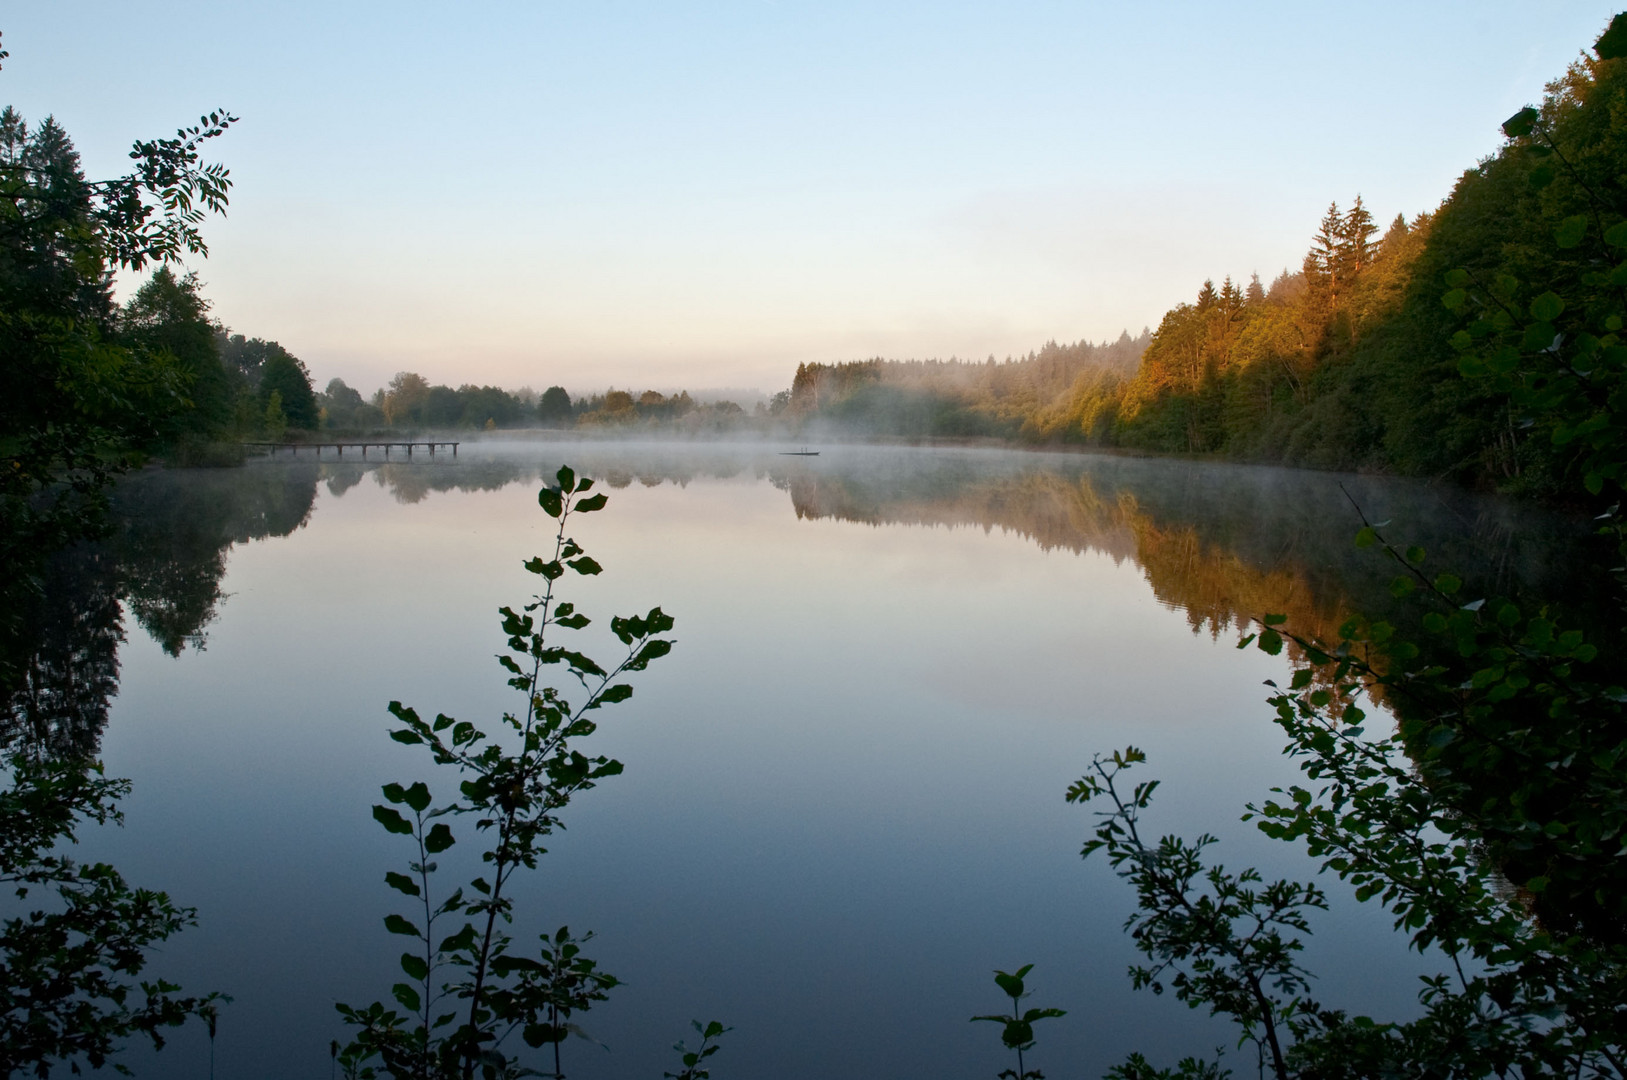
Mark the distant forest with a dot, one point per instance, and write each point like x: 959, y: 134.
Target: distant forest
x: 1032, y: 397
x: 1352, y: 362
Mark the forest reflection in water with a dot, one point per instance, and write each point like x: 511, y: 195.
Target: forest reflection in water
x: 1222, y: 543
x: 844, y: 795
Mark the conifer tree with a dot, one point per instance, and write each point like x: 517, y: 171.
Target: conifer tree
x: 1255, y: 294
x: 1322, y: 264
x: 1355, y: 235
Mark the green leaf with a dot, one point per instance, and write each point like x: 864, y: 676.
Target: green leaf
x: 1270, y: 642
x: 653, y: 650
x: 592, y: 503
x: 1448, y: 584
x: 438, y: 839
x: 1571, y: 230
x: 1547, y: 307
x: 1616, y: 235
x: 461, y: 941
x: 1538, y: 336
x: 1012, y: 985
x: 1017, y: 1033
x: 1458, y: 278
x: 1540, y: 177
x: 396, y: 924
x: 417, y: 797
x: 550, y: 501
x: 407, y: 996
x: 414, y: 966
x: 1366, y: 537
x: 392, y: 821
x: 567, y: 478
x: 401, y: 883
x: 585, y: 565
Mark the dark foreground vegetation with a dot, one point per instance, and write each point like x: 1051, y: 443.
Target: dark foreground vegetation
x: 1490, y: 820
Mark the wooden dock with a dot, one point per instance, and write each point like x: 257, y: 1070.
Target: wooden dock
x: 340, y: 447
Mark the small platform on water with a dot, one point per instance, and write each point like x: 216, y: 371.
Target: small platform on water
x: 341, y: 447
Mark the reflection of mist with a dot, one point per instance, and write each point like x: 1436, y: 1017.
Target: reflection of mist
x: 341, y: 480
x: 1222, y: 543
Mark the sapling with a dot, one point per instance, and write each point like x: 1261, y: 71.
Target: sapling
x: 1018, y: 1030
x: 469, y: 991
x: 693, y: 1059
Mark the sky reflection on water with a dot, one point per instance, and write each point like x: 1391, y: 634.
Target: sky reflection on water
x: 843, y: 800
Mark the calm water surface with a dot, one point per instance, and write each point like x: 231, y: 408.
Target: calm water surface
x: 843, y: 805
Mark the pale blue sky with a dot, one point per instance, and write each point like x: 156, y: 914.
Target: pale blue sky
x: 667, y: 195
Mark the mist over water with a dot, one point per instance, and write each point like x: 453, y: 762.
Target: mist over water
x: 843, y: 800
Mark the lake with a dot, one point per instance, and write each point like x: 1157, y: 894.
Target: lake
x: 843, y: 799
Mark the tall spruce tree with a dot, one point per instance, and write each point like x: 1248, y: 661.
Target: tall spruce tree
x: 1322, y: 263
x: 1355, y: 240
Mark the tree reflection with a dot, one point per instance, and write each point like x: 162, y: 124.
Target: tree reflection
x: 161, y: 561
x: 1228, y: 544
x: 70, y: 669
x: 1221, y: 544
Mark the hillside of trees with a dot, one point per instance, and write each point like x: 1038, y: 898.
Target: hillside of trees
x: 1030, y: 397
x: 1347, y: 363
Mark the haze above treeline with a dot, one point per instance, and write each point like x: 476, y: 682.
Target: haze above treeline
x: 767, y: 184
